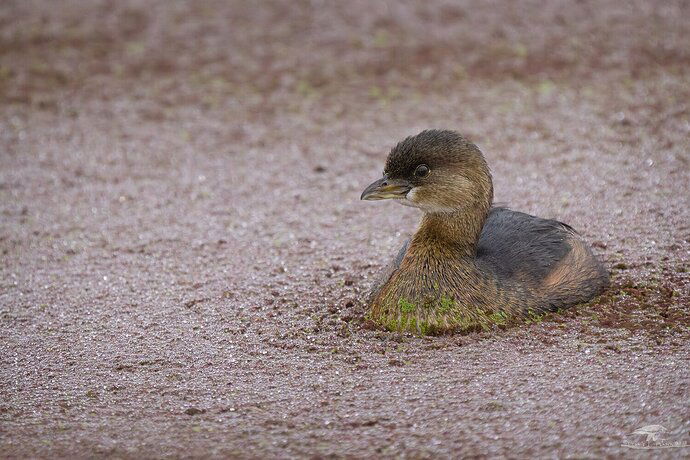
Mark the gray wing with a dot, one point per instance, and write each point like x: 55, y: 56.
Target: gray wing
x: 518, y: 245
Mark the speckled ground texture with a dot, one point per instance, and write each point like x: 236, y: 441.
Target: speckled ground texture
x: 185, y: 257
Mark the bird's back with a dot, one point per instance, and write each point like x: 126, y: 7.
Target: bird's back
x: 517, y: 245
x: 546, y: 256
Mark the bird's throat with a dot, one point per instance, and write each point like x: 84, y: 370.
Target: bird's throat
x: 449, y: 234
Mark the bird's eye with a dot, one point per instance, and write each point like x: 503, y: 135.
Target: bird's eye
x: 421, y: 171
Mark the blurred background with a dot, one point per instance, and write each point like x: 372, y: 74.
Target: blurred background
x: 182, y: 237
x: 217, y: 50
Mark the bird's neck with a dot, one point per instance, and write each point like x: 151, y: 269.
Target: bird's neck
x: 450, y: 234
x: 456, y: 234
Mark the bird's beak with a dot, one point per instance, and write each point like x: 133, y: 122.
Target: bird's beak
x: 385, y: 189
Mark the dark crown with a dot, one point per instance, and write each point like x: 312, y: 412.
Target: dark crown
x: 432, y: 147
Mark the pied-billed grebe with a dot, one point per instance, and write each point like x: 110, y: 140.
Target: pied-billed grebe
x: 471, y: 265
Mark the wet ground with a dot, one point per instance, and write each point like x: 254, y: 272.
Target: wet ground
x: 185, y: 256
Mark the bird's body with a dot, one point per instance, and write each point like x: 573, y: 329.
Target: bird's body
x: 469, y: 265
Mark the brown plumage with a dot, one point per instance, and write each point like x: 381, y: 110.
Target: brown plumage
x: 471, y: 265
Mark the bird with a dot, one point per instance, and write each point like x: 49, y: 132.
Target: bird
x: 471, y: 265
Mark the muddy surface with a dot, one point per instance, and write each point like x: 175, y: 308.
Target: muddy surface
x: 185, y: 256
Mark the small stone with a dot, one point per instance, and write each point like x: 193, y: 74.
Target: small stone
x: 194, y: 411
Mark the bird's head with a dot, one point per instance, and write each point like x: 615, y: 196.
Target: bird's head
x: 436, y: 171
